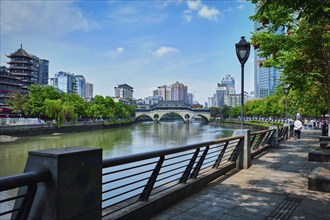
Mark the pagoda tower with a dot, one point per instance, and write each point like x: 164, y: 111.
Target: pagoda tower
x: 22, y: 66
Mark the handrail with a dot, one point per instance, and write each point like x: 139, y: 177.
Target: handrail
x: 132, y: 179
x: 260, y: 140
x: 29, y: 180
x: 147, y: 155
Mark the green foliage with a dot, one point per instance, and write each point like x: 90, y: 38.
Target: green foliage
x: 46, y: 102
x: 295, y: 36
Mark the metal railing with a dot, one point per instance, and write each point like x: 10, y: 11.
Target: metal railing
x: 132, y: 179
x: 29, y: 180
x: 260, y: 140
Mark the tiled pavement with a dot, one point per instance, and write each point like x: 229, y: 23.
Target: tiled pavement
x: 274, y: 187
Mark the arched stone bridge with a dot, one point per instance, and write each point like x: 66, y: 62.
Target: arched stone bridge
x: 186, y: 114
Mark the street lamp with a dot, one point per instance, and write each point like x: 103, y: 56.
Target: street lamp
x: 286, y: 87
x: 242, y: 52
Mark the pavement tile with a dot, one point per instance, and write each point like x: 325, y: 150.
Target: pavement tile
x: 275, y: 185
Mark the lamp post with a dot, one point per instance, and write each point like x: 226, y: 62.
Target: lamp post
x: 242, y: 52
x: 286, y: 87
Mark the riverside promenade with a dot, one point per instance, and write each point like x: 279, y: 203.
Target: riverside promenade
x: 274, y: 187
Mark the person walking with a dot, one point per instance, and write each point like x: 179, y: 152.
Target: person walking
x: 297, y: 126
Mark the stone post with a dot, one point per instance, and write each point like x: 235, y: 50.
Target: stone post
x: 274, y: 143
x: 75, y: 188
x: 244, y: 150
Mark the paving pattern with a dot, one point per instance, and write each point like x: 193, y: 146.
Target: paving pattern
x: 274, y: 187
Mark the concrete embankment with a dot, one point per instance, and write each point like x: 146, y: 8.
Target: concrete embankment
x: 30, y: 130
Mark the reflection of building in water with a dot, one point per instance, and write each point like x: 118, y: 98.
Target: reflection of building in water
x: 177, y: 131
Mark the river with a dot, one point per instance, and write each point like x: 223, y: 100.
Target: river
x: 136, y: 138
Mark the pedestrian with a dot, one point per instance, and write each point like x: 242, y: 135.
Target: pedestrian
x: 297, y: 126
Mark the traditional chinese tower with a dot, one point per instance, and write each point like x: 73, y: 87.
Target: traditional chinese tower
x: 22, y: 66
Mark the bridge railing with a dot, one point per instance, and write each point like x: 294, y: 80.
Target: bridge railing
x: 8, y: 186
x: 131, y: 180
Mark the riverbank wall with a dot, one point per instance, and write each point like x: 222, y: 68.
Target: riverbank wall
x: 31, y: 130
x: 238, y: 126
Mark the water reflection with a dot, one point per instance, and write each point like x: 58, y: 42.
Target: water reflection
x: 136, y: 138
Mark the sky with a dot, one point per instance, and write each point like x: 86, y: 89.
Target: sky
x: 144, y: 44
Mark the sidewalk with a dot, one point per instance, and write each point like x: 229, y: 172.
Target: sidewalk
x: 274, y: 187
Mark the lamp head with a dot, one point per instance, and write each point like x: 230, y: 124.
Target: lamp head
x: 242, y: 50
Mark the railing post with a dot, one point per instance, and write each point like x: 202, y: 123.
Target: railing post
x: 289, y: 131
x: 244, y: 151
x: 274, y: 143
x: 75, y: 188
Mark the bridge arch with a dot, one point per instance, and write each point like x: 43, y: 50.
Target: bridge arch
x: 183, y: 117
x: 202, y: 116
x: 186, y: 114
x: 141, y: 115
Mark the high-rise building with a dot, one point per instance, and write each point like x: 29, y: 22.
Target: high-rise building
x: 230, y: 82
x: 64, y: 81
x: 43, y: 72
x: 124, y: 91
x: 165, y: 92
x: 179, y: 92
x: 190, y: 98
x: 89, y: 91
x: 80, y: 86
x: 221, y: 94
x: 211, y: 101
x: 22, y: 66
x: 265, y: 79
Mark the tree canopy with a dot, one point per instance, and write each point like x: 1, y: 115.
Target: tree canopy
x: 47, y: 103
x: 295, y: 36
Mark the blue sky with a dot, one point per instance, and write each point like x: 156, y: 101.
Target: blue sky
x: 141, y: 43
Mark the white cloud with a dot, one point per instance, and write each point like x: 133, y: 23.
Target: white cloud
x: 194, y: 5
x: 120, y: 50
x: 46, y: 17
x: 241, y: 7
x: 229, y: 9
x: 165, y: 51
x: 209, y: 13
x: 202, y: 10
x: 114, y: 53
x: 187, y: 15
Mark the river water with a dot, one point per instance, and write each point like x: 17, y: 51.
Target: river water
x: 136, y: 138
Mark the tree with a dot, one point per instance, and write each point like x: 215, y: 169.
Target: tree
x: 295, y: 37
x: 79, y: 104
x: 53, y: 108
x: 37, y: 97
x: 18, y: 102
x: 225, y: 111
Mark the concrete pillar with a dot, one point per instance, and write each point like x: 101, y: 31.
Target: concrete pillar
x: 75, y: 188
x: 274, y: 143
x: 245, y: 149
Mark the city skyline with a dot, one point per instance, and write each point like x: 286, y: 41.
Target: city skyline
x: 143, y: 44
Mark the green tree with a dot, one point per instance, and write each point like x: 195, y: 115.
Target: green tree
x: 295, y: 37
x: 79, y: 104
x: 53, y: 108
x: 18, y: 103
x: 225, y: 112
x: 214, y: 112
x: 37, y: 97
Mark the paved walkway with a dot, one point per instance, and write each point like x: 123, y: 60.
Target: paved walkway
x: 274, y: 187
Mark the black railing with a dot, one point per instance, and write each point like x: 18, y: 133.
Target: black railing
x: 132, y: 179
x: 29, y: 180
x: 260, y: 140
